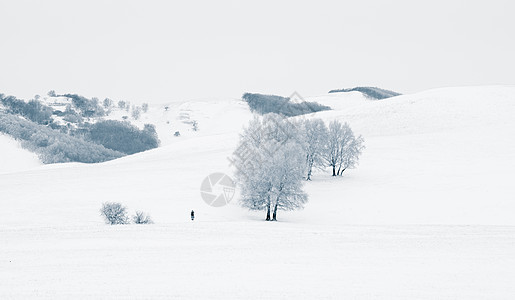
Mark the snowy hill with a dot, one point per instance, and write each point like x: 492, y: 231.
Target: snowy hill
x: 441, y: 157
x: 13, y: 158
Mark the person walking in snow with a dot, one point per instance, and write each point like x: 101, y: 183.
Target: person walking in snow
x: 192, y: 215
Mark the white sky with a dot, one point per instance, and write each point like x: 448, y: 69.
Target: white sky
x: 178, y: 50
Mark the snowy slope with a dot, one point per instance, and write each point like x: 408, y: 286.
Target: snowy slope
x: 433, y: 160
x: 14, y: 158
x: 443, y: 156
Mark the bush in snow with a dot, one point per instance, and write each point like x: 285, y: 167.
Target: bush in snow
x: 114, y: 213
x: 141, y: 218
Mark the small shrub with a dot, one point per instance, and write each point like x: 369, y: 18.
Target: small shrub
x: 142, y: 218
x: 114, y: 213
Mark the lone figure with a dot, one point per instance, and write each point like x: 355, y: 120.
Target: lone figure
x: 192, y: 215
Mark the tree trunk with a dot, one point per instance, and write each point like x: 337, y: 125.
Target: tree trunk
x: 338, y: 173
x: 334, y: 170
x: 342, y: 171
x: 274, y: 218
x: 268, y: 212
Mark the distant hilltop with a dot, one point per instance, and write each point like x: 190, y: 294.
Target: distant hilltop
x: 370, y: 92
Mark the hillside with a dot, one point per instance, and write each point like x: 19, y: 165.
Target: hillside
x: 431, y: 199
x: 14, y: 158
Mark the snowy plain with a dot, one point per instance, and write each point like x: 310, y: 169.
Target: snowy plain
x: 428, y: 213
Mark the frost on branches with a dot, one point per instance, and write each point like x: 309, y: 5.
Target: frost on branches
x: 269, y: 165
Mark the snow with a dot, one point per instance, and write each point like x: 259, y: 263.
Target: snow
x: 428, y: 213
x: 13, y: 157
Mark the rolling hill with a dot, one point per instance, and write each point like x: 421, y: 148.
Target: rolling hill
x: 430, y: 205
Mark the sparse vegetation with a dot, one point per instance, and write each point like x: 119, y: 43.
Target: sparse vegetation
x: 141, y: 218
x: 114, y: 213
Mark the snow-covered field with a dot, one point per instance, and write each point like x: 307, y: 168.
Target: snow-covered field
x: 428, y: 214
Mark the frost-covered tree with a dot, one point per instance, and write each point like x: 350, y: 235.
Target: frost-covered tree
x: 136, y: 112
x: 142, y: 218
x: 114, y: 213
x: 315, y: 137
x: 144, y: 107
x: 343, y: 148
x: 107, y: 103
x: 350, y: 152
x: 269, y: 165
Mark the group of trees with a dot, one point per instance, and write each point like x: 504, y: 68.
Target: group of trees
x: 33, y: 110
x: 264, y: 104
x: 123, y: 136
x: 336, y: 146
x: 53, y: 146
x: 81, y: 142
x: 86, y: 107
x: 370, y: 92
x: 274, y: 157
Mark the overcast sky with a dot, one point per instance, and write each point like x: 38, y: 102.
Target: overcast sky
x: 160, y: 51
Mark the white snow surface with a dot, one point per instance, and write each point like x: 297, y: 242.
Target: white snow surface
x: 13, y: 157
x: 428, y: 213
